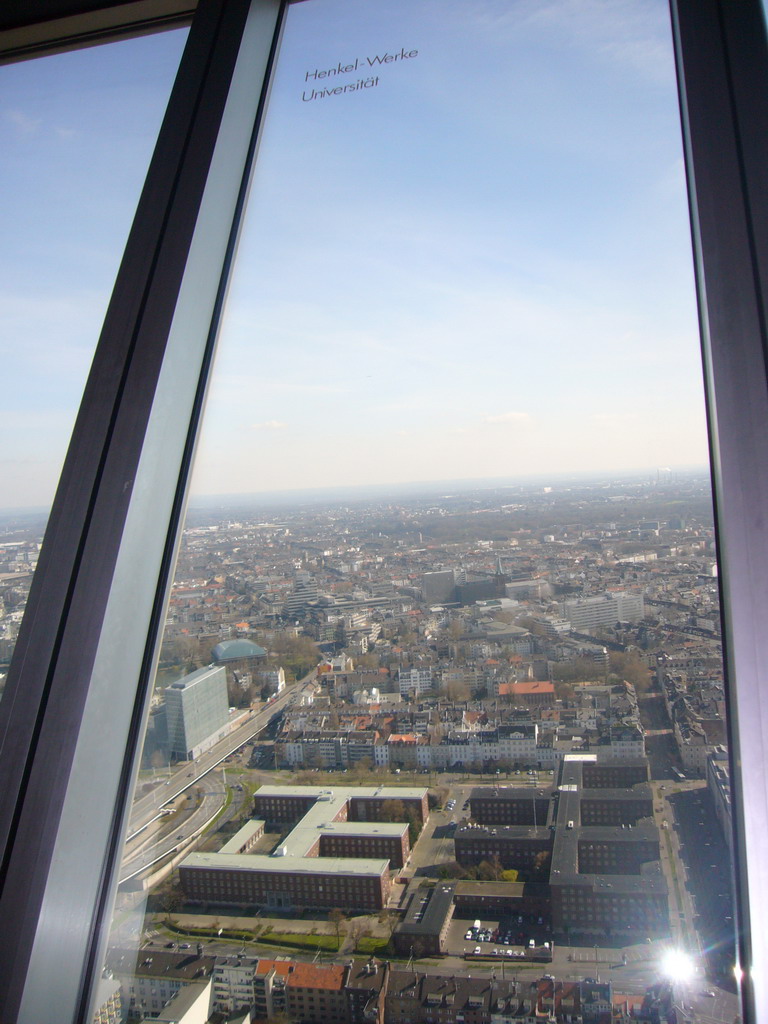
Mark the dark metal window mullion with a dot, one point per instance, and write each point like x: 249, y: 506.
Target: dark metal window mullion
x: 722, y: 59
x: 50, y: 674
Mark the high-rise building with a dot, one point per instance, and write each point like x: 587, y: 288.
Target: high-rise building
x: 197, y: 711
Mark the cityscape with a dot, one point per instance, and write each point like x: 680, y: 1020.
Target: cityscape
x: 448, y: 754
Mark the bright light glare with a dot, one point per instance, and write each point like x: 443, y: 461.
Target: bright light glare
x: 677, y: 965
x: 738, y: 973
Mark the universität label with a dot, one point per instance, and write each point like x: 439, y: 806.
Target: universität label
x: 361, y: 66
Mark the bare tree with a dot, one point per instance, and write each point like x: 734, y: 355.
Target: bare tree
x: 337, y: 918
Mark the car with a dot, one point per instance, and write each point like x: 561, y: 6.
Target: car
x: 709, y: 993
x: 469, y: 934
x: 185, y: 945
x: 170, y: 945
x: 476, y: 950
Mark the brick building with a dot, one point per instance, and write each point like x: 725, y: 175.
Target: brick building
x: 339, y: 853
x: 594, y: 833
x: 316, y: 993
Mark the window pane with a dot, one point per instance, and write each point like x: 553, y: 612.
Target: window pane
x: 455, y: 452
x: 76, y: 134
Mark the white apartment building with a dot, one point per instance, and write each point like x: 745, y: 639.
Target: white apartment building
x: 233, y: 983
x: 414, y: 681
x: 603, y: 610
x: 627, y: 743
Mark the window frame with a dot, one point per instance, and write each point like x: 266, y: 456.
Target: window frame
x: 86, y: 649
x: 101, y: 512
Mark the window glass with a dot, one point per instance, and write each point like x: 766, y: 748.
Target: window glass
x: 76, y: 134
x: 451, y: 525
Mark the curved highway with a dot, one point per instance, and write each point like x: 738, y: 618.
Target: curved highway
x: 149, y: 806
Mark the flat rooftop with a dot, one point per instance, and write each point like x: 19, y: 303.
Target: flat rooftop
x: 347, y: 792
x: 318, y: 820
x: 242, y: 836
x: 428, y: 909
x: 286, y: 865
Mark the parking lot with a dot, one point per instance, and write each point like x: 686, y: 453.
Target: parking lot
x: 509, y: 937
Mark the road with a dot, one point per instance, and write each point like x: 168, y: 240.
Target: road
x: 148, y: 807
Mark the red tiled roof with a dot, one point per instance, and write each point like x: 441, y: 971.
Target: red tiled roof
x: 329, y: 976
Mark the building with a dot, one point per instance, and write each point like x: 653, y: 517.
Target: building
x: 233, y: 983
x: 197, y: 712
x: 238, y: 653
x: 191, y: 1005
x: 421, y: 998
x: 269, y: 989
x: 109, y: 1002
x: 151, y: 979
x: 585, y: 613
x: 415, y: 681
x: 365, y: 987
x: 438, y: 587
x: 424, y: 929
x: 592, y: 837
x: 315, y: 994
x: 339, y: 853
x: 719, y: 785
x: 531, y: 692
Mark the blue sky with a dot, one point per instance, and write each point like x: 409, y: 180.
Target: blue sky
x: 76, y: 135
x: 478, y: 267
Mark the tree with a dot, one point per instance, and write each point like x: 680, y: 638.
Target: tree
x: 355, y: 932
x: 337, y: 918
x: 393, y: 810
x: 578, y: 670
x: 486, y: 871
x: 389, y: 920
x: 455, y: 690
x: 171, y: 898
x: 363, y: 767
x: 541, y: 863
x: 630, y: 666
